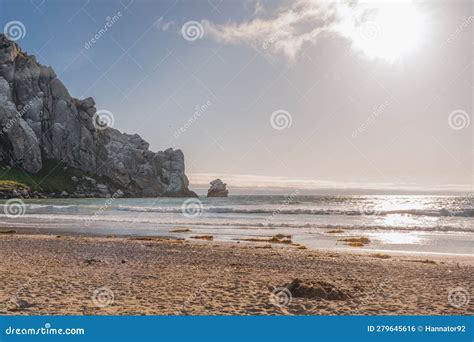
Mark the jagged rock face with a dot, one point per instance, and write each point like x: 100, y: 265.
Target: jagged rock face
x: 217, y: 189
x: 40, y: 121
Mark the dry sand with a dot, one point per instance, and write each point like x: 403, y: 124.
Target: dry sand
x: 49, y: 275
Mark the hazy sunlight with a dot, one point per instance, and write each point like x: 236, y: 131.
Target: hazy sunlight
x: 382, y: 35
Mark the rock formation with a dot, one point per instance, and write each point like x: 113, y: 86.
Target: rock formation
x: 40, y: 122
x: 217, y: 189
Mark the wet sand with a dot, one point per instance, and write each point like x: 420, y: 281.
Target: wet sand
x: 77, y: 275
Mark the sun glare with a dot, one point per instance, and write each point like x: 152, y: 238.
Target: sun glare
x: 390, y: 30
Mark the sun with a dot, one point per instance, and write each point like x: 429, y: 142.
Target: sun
x: 389, y: 30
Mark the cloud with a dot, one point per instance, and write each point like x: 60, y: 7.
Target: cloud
x: 288, y: 29
x: 286, y: 32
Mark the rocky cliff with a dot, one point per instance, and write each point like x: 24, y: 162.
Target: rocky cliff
x: 41, y: 122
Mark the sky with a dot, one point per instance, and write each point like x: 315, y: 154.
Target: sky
x: 274, y: 94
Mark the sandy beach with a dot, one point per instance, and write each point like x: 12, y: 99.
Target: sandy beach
x: 85, y: 275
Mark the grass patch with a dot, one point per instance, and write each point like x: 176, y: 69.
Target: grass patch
x: 53, y: 177
x: 279, y: 238
x: 363, y: 240
x: 203, y: 237
x: 356, y: 241
x: 8, y: 232
x: 264, y: 247
x: 380, y: 256
x: 422, y: 261
x: 299, y: 246
x: 10, y: 185
x: 180, y: 230
x: 335, y: 231
x: 355, y: 244
x: 170, y: 239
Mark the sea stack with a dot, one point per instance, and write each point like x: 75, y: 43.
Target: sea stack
x: 217, y: 189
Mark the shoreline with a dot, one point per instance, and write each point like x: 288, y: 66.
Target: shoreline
x: 467, y: 259
x: 61, y: 274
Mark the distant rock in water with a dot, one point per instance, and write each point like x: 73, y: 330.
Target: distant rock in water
x: 41, y: 122
x: 217, y: 189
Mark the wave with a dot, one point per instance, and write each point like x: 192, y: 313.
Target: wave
x: 468, y: 212
x: 270, y: 212
x: 88, y: 220
x: 50, y: 206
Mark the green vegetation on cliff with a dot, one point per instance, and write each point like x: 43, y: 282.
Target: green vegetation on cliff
x: 53, y: 177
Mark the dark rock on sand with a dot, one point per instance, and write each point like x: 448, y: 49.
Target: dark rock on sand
x: 18, y: 304
x: 316, y: 290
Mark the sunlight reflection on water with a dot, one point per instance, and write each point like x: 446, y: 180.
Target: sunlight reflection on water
x: 398, y: 238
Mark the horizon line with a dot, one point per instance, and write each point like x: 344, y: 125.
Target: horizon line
x: 259, y: 183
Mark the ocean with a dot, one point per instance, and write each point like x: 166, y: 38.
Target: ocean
x: 415, y: 224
